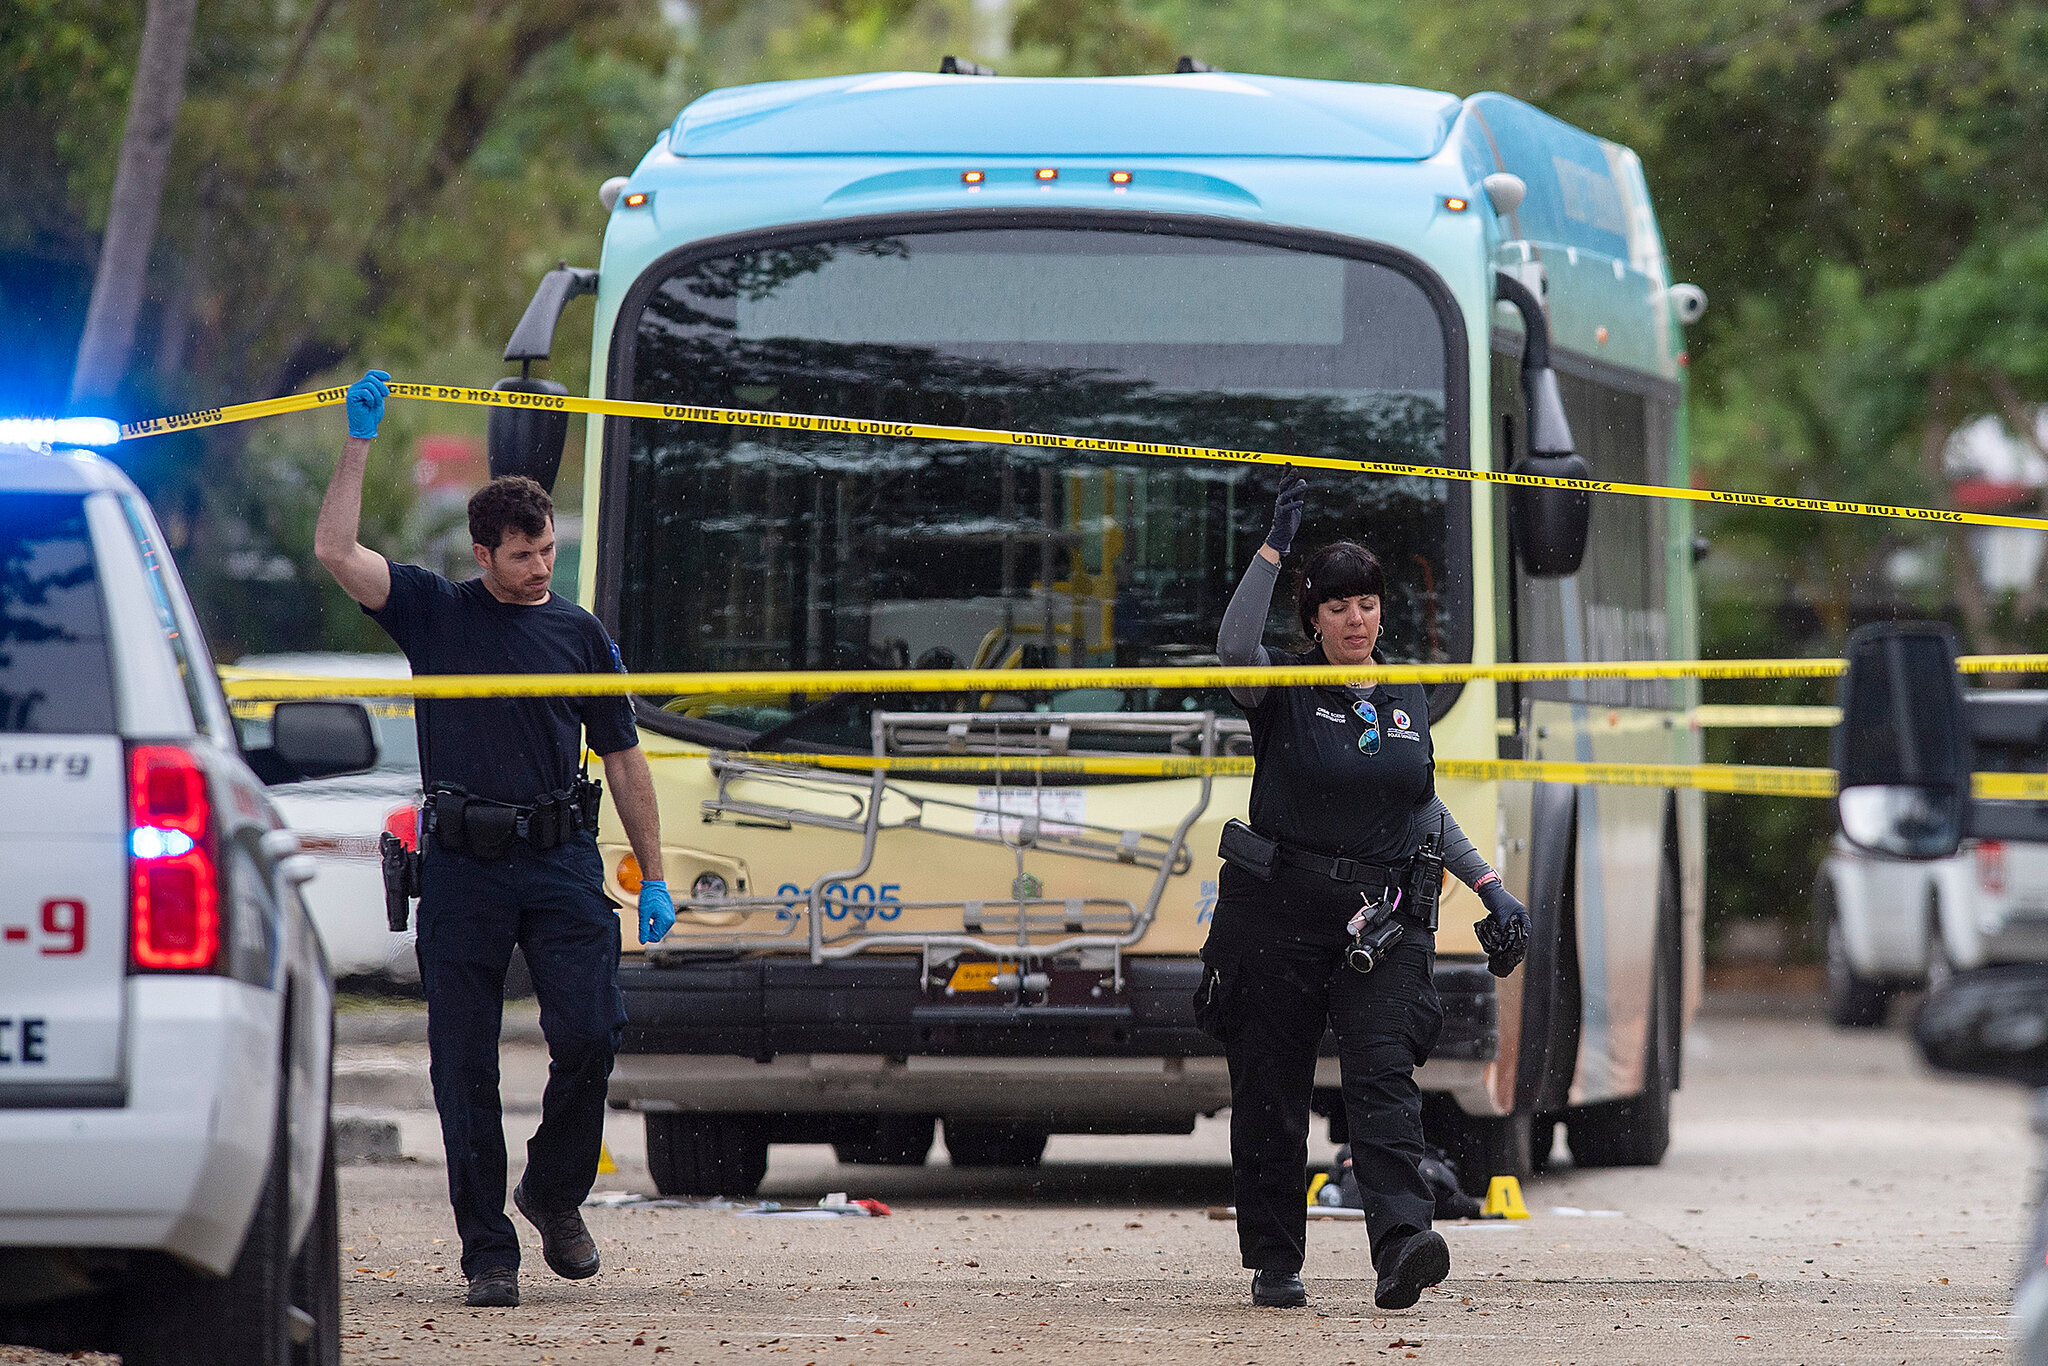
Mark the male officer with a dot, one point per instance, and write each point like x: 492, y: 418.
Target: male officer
x: 511, y: 858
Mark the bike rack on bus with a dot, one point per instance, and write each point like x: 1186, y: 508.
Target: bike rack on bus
x: 1100, y: 923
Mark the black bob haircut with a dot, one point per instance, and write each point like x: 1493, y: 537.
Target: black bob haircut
x: 1342, y: 569
x: 511, y: 502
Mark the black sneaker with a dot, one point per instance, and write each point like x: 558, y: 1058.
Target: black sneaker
x: 495, y: 1288
x: 570, y: 1250
x: 1278, y: 1290
x: 1412, y: 1266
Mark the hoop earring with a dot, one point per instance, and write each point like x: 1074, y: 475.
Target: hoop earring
x: 1319, y: 637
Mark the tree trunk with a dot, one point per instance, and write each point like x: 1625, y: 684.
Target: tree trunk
x: 138, y: 191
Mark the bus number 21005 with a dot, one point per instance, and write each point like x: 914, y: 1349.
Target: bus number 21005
x: 863, y: 901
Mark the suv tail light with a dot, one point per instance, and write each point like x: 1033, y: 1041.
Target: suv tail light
x: 1991, y: 866
x: 404, y: 822
x: 174, y: 892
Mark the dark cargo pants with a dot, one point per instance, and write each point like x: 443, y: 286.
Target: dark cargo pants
x: 1284, y: 995
x: 553, y: 906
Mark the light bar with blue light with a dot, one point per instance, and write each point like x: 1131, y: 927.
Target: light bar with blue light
x: 59, y: 431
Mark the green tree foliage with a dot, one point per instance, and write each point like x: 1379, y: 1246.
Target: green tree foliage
x: 350, y: 182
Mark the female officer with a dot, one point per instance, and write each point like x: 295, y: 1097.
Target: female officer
x: 1343, y: 797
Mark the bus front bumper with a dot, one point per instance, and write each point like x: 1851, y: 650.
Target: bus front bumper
x: 779, y: 1033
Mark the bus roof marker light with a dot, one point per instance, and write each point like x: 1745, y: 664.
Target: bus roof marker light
x: 1119, y: 177
x: 639, y: 199
x: 1048, y: 173
x: 1455, y: 204
x: 59, y: 431
x: 973, y: 177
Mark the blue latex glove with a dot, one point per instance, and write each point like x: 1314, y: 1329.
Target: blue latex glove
x: 657, y: 911
x: 366, y: 403
x: 1287, y: 509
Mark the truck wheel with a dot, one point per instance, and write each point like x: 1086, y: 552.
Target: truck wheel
x: 706, y: 1154
x: 994, y: 1143
x: 895, y: 1141
x: 173, y: 1315
x: 1940, y: 966
x: 1853, y: 1001
x: 316, y: 1277
x: 1636, y: 1132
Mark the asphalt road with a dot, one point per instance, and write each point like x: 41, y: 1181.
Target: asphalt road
x: 1826, y: 1200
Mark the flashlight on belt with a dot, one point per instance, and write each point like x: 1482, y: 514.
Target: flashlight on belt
x: 1374, y: 932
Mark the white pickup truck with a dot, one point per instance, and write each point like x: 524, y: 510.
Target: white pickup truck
x: 166, y: 1013
x: 1891, y: 925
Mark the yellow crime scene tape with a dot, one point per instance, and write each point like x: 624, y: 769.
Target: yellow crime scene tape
x: 276, y: 688
x: 1755, y: 780
x: 921, y: 431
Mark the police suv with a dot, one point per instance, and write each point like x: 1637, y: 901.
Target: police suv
x: 166, y: 1014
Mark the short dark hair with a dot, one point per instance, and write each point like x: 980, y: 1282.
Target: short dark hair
x: 511, y: 502
x: 1342, y: 569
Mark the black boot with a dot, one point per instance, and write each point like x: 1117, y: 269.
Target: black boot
x: 1411, y: 1266
x: 1278, y: 1290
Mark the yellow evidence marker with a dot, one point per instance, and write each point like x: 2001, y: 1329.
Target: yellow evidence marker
x: 1504, y: 1199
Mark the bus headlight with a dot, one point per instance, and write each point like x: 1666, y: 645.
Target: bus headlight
x: 707, y: 887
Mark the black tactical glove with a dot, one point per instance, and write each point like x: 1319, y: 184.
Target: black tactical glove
x: 1287, y: 511
x: 1504, y: 934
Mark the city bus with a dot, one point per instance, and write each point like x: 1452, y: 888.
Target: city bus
x: 1199, y: 258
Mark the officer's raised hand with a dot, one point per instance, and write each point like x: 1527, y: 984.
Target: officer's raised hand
x: 657, y: 911
x: 1287, y: 510
x: 366, y: 403
x: 1504, y: 934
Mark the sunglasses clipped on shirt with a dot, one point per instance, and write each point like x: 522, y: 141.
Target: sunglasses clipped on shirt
x: 1369, y: 738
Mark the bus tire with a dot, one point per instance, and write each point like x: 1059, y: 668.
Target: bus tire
x: 707, y: 1155
x: 1480, y: 1147
x: 994, y: 1143
x: 891, y: 1141
x: 1853, y: 1001
x: 1636, y: 1132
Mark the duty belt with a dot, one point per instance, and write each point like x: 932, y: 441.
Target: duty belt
x: 482, y: 828
x: 1340, y: 869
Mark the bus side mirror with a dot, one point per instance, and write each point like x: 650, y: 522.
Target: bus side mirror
x: 529, y: 441
x: 1902, y: 752
x: 1549, y: 526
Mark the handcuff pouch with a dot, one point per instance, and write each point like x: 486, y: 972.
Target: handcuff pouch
x: 1248, y: 849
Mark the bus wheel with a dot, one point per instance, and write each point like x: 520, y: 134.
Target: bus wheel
x: 890, y: 1141
x: 994, y: 1143
x: 706, y: 1154
x: 1635, y: 1132
x: 1481, y: 1147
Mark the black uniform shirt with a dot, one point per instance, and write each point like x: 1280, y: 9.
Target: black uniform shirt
x: 508, y: 749
x: 1314, y: 788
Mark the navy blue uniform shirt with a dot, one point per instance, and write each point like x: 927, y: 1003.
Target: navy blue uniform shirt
x: 508, y: 749
x: 1315, y: 789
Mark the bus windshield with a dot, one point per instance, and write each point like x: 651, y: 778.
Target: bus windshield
x: 745, y: 549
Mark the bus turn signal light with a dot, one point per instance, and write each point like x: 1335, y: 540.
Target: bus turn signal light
x: 629, y: 875
x: 637, y: 200
x: 1456, y: 205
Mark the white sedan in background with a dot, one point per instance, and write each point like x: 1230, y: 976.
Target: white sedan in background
x: 339, y: 820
